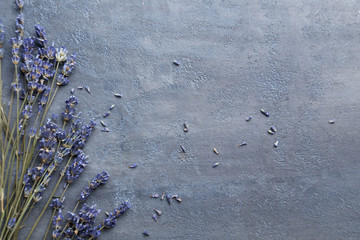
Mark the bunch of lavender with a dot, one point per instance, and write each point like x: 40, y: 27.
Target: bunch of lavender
x: 30, y: 155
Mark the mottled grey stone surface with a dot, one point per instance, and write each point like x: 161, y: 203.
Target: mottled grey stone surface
x: 299, y: 60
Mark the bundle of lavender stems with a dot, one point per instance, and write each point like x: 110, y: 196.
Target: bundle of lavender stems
x: 34, y: 146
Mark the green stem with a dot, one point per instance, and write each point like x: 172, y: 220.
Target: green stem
x: 51, y: 88
x: 50, y: 221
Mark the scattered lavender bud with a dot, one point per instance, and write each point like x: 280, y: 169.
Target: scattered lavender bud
x: 162, y: 196
x: 215, y: 165
x: 276, y: 143
x: 216, y: 151
x: 133, y: 166
x: 72, y: 90
x: 88, y: 89
x: 174, y: 196
x: 105, y: 130
x: 103, y: 123
x: 271, y: 132
x: 248, y: 118
x: 272, y: 128
x: 80, y: 87
x: 118, y: 95
x: 158, y: 212
x: 242, y: 144
x: 186, y: 127
x: 332, y: 121
x: 178, y: 200
x: 154, y: 195
x: 168, y: 198
x: 106, y: 114
x: 177, y: 63
x: 183, y: 149
x: 146, y: 233
x: 264, y: 112
x: 111, y: 107
x: 154, y: 217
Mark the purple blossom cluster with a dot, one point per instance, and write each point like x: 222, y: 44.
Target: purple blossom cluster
x: 100, y: 179
x: 54, y: 145
x: 81, y: 225
x: 111, y: 219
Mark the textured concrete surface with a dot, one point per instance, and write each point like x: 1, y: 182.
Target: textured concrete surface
x: 296, y: 59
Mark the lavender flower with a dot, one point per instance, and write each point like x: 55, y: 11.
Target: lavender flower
x: 47, y: 142
x: 27, y: 112
x: 82, y: 223
x: 110, y: 221
x: 61, y: 54
x: 19, y: 21
x: 76, y: 168
x: 100, y: 179
x: 57, y: 220
x: 95, y: 232
x: 41, y: 36
x: 28, y: 44
x: 69, y: 65
x: 32, y: 132
x: 19, y: 4
x: 50, y: 52
x: 16, y: 42
x: 70, y: 109
x: 16, y: 87
x: 62, y: 80
x: 11, y: 223
x: 57, y: 203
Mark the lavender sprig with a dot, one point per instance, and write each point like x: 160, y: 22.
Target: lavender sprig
x: 100, y: 179
x: 111, y: 219
x: 81, y: 224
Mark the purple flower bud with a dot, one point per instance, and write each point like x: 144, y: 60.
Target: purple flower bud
x: 41, y: 36
x: 19, y: 4
x: 57, y: 203
x: 11, y: 223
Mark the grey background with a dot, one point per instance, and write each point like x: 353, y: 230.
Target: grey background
x: 296, y: 59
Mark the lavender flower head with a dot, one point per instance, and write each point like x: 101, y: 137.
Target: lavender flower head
x: 70, y: 109
x: 19, y: 4
x: 110, y: 221
x: 76, y: 168
x: 57, y: 203
x: 19, y: 21
x: 82, y: 223
x: 41, y: 36
x: 61, y: 54
x: 11, y: 223
x: 100, y: 179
